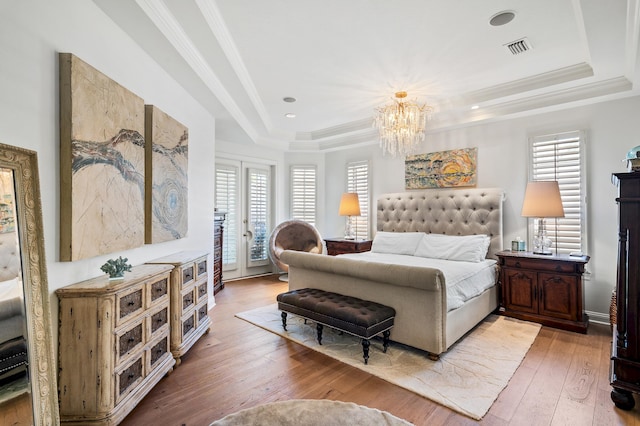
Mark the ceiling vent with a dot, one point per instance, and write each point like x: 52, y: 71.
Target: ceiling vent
x: 519, y: 46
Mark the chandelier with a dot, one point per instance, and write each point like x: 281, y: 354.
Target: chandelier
x: 401, y: 125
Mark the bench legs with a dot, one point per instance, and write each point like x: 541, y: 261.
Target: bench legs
x: 385, y: 340
x: 365, y: 350
x: 365, y: 342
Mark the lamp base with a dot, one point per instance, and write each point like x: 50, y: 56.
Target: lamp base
x: 541, y: 243
x: 348, y: 230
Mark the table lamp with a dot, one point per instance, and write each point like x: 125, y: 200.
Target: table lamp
x: 542, y: 200
x: 349, y: 206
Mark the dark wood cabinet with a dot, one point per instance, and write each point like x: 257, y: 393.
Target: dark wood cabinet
x: 337, y: 246
x: 218, y: 233
x: 625, y: 353
x: 544, y: 289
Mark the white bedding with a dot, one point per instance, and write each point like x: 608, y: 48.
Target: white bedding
x: 464, y: 280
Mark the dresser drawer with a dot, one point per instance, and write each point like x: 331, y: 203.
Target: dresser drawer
x: 201, y: 267
x: 157, y: 351
x: 539, y: 265
x: 129, y: 303
x: 188, y: 275
x: 159, y: 290
x: 201, y: 311
x: 129, y: 340
x: 157, y: 321
x: 129, y: 377
x: 201, y: 290
x: 188, y: 298
x: 188, y: 324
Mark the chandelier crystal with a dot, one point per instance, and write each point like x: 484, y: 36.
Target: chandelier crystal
x: 401, y: 125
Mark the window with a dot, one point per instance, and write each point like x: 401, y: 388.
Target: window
x: 226, y: 199
x: 303, y: 193
x: 560, y: 157
x: 358, y: 182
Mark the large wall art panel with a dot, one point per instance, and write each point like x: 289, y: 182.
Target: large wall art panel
x: 102, y: 156
x: 166, y: 177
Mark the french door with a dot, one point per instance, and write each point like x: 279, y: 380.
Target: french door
x: 243, y: 191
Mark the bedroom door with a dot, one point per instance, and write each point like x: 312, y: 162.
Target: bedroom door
x: 243, y: 190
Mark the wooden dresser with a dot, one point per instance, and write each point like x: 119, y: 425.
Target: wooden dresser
x: 625, y: 353
x: 189, y: 299
x: 547, y: 289
x: 218, y: 234
x: 113, y: 343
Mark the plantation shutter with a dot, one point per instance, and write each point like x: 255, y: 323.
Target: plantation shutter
x: 226, y: 187
x: 560, y: 157
x: 358, y: 182
x: 303, y: 193
x: 259, y: 181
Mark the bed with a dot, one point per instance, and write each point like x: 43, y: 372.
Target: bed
x: 453, y: 226
x: 13, y: 348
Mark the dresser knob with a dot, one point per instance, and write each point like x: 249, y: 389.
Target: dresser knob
x: 517, y: 264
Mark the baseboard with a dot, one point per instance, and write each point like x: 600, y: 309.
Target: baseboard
x: 598, y: 318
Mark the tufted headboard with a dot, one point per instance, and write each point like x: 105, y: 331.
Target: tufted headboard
x: 466, y: 211
x: 9, y: 256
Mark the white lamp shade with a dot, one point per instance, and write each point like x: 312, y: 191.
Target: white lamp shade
x: 542, y: 199
x: 349, y: 204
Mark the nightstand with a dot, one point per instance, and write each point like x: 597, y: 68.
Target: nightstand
x: 341, y: 246
x: 546, y: 289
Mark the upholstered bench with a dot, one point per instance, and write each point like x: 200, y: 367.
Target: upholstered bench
x: 358, y: 317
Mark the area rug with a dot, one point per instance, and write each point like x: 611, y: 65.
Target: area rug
x: 310, y: 412
x: 468, y: 378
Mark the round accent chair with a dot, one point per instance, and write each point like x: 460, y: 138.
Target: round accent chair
x: 295, y: 235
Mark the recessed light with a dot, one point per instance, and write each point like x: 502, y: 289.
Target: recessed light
x: 475, y: 107
x: 289, y: 99
x: 290, y: 115
x: 502, y: 18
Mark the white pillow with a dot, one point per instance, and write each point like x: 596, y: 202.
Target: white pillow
x: 467, y: 248
x: 396, y: 242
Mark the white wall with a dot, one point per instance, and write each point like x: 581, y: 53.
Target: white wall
x: 612, y: 129
x: 31, y: 35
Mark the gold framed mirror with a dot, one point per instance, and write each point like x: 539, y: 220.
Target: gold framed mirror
x: 41, y: 370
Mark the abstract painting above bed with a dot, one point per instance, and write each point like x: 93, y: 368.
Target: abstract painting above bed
x: 444, y: 169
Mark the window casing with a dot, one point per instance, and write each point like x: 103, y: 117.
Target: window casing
x: 560, y: 157
x: 304, y: 193
x: 358, y: 182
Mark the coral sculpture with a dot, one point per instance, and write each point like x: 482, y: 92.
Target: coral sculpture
x: 116, y: 267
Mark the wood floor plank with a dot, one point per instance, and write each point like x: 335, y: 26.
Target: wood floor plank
x: 237, y: 365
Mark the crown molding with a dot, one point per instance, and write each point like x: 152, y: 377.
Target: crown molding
x: 341, y: 129
x: 163, y: 19
x: 573, y: 94
x: 539, y: 81
x: 218, y: 27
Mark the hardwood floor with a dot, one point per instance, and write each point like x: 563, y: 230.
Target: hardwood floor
x: 564, y: 379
